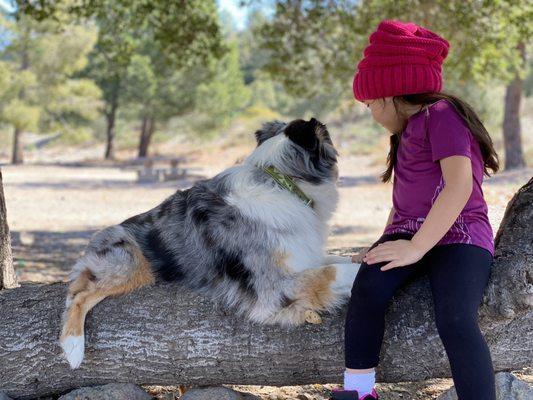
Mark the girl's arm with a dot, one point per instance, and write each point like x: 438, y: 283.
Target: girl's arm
x: 457, y: 174
x: 391, y: 214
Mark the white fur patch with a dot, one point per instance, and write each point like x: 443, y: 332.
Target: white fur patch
x: 73, y: 348
x: 345, y: 277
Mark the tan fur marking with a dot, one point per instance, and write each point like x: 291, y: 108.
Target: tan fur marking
x: 316, y: 288
x: 85, y: 300
x: 280, y: 259
x: 80, y: 283
x: 82, y: 303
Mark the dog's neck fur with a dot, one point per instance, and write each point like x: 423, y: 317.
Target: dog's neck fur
x: 324, y: 196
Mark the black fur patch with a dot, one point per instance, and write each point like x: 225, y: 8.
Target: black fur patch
x: 92, y: 277
x: 103, y: 252
x: 161, y: 257
x: 229, y: 264
x: 165, y: 208
x: 286, y: 301
x: 200, y: 215
x: 303, y: 133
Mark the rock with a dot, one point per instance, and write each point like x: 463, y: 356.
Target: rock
x: 112, y: 391
x: 26, y: 238
x: 211, y: 393
x: 4, y: 396
x: 508, y: 387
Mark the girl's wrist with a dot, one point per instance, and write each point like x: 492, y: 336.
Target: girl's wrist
x: 419, y: 244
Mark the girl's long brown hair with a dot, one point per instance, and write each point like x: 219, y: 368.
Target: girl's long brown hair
x: 490, y: 158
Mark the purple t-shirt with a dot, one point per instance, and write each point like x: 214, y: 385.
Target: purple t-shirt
x: 436, y: 132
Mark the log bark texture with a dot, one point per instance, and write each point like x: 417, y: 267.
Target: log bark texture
x: 8, y: 278
x: 167, y: 335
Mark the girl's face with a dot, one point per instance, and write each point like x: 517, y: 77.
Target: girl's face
x: 384, y: 113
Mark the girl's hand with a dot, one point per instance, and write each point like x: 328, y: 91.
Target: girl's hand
x: 398, y: 252
x: 358, y: 257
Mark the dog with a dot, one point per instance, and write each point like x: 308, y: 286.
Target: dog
x: 251, y: 238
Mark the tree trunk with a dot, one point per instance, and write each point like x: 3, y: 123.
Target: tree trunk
x: 18, y: 150
x: 514, y: 157
x: 110, y: 133
x: 8, y: 279
x: 147, y: 131
x: 166, y: 335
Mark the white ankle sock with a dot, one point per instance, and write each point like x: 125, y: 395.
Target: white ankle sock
x: 363, y: 383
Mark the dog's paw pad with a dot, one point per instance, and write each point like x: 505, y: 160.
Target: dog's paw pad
x: 312, y: 317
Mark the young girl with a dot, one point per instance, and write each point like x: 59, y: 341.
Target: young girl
x: 438, y: 223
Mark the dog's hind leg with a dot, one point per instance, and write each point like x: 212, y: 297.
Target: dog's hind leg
x: 86, y: 291
x: 312, y: 290
x: 81, y: 283
x: 72, y: 338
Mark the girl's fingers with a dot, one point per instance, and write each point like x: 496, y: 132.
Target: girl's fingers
x: 377, y: 251
x: 380, y: 253
x: 380, y: 258
x: 391, y: 265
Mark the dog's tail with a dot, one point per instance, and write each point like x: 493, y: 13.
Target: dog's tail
x: 112, y: 265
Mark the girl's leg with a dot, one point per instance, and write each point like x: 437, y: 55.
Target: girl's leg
x: 371, y: 294
x: 458, y: 275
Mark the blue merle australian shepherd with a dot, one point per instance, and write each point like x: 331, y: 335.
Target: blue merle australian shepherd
x: 252, y: 238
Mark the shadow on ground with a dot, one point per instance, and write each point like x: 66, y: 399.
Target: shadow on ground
x: 46, y: 256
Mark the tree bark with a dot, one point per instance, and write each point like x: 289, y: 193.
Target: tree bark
x: 18, y: 150
x: 166, y: 335
x: 112, y: 97
x: 110, y: 133
x: 514, y: 157
x: 147, y: 131
x: 8, y: 279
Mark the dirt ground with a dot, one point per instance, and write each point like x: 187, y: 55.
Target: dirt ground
x: 54, y: 208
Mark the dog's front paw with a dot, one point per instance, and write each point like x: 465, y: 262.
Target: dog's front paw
x: 312, y: 317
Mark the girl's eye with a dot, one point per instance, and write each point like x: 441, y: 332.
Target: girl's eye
x: 367, y: 105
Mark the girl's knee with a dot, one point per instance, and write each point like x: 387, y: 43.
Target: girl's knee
x: 456, y: 326
x: 369, y: 293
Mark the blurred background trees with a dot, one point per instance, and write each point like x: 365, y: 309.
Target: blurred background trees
x: 129, y: 73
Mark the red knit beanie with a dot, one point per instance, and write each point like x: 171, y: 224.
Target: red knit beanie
x: 402, y: 58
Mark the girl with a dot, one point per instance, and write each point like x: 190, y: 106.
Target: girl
x: 438, y: 224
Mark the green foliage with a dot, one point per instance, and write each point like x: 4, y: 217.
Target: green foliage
x: 39, y: 92
x: 21, y: 115
x: 226, y: 95
x: 317, y: 43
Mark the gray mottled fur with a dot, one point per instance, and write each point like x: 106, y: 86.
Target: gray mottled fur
x: 221, y: 236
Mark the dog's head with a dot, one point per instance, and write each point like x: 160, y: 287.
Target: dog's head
x: 302, y: 149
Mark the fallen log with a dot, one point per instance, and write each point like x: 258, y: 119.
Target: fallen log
x: 166, y: 335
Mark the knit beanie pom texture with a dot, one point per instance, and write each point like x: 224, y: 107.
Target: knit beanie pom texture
x: 402, y: 58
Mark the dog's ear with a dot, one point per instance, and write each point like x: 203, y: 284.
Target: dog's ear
x: 268, y: 130
x: 307, y: 134
x: 322, y: 132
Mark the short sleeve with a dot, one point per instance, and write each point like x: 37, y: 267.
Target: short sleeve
x: 448, y: 133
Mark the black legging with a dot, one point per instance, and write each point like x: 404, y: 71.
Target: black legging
x: 458, y: 274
